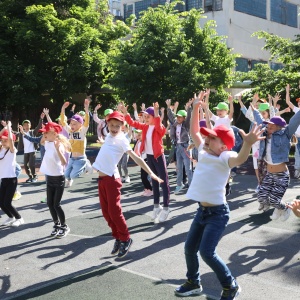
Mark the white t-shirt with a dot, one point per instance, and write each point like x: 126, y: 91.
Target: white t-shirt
x: 28, y: 146
x: 178, y: 132
x: 210, y: 177
x: 148, y: 142
x: 110, y: 154
x: 51, y: 164
x: 7, y: 163
x: 222, y: 121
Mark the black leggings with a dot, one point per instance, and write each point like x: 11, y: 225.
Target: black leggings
x: 7, y: 190
x: 55, y: 190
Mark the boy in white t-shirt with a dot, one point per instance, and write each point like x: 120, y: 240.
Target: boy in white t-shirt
x: 224, y: 114
x: 214, y: 161
x: 109, y: 183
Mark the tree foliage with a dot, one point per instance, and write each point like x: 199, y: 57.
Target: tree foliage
x: 56, y: 47
x: 170, y: 56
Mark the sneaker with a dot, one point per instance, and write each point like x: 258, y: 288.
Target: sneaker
x: 34, y: 179
x: 29, y: 180
x: 266, y: 207
x: 44, y: 200
x: 55, y: 230
x: 124, y: 248
x: 89, y: 169
x: 116, y: 247
x: 276, y: 214
x: 17, y: 222
x: 8, y: 221
x: 63, y: 231
x: 164, y: 215
x: 297, y: 174
x: 257, y: 189
x: 188, y: 288
x: 17, y: 196
x: 127, y: 179
x: 285, y: 214
x: 69, y: 183
x: 178, y: 189
x: 231, y: 292
x: 261, y: 206
x: 227, y: 190
x: 148, y: 193
x: 156, y: 212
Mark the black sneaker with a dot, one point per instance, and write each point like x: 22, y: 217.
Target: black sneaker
x: 228, y: 190
x: 124, y: 248
x: 116, y: 247
x: 231, y: 292
x: 188, y: 288
x: 63, y: 231
x: 29, y: 180
x: 55, y: 230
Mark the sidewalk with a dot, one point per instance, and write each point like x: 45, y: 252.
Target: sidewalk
x: 263, y: 254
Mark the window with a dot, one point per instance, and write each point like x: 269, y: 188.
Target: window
x: 128, y: 10
x: 276, y: 66
x: 193, y: 4
x: 242, y: 64
x: 284, y: 12
x: 143, y: 5
x: 213, y: 5
x: 257, y: 8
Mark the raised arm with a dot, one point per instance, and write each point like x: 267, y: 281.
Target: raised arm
x: 10, y: 138
x: 231, y: 108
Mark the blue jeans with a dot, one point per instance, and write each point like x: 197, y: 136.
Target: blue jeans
x: 205, y: 232
x: 75, y: 167
x: 183, y: 158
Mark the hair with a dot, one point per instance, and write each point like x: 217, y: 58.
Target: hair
x: 65, y: 142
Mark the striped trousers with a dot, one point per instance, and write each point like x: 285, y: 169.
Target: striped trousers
x: 273, y: 188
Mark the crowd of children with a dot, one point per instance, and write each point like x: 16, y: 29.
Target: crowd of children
x: 209, y: 142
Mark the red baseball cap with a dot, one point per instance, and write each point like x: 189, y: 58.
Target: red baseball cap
x: 4, y: 135
x: 51, y: 126
x: 221, y: 131
x: 116, y: 115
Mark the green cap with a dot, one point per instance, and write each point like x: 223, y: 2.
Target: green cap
x: 26, y: 121
x: 138, y: 130
x: 81, y: 113
x: 108, y: 112
x: 263, y: 106
x: 58, y: 119
x: 222, y: 106
x: 181, y: 113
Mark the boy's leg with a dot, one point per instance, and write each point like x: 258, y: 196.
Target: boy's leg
x: 32, y: 156
x: 179, y: 165
x: 215, y: 220
x: 188, y: 165
x: 26, y: 161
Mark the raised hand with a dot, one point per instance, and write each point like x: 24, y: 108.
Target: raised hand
x: 134, y: 106
x: 21, y: 129
x: 168, y: 102
x: 123, y: 109
x: 66, y: 104
x: 98, y: 106
x: 143, y: 107
x: 254, y: 135
x: 46, y: 111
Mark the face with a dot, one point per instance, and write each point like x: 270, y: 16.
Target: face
x: 265, y: 114
x: 221, y: 113
x: 180, y: 119
x: 214, y: 145
x: 26, y: 126
x: 271, y: 128
x: 139, y: 136
x: 50, y: 136
x: 114, y: 126
x: 75, y: 126
x: 4, y: 143
x: 148, y: 119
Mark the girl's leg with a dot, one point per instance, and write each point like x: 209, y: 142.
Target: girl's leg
x: 78, y: 167
x: 146, y: 183
x: 163, y: 174
x: 280, y: 182
x: 155, y: 184
x: 7, y: 191
x: 124, y: 159
x: 69, y: 168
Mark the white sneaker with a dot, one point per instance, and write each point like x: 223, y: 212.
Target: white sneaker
x: 285, y: 214
x: 89, y: 169
x: 276, y: 214
x: 149, y: 193
x: 257, y: 189
x: 17, y: 222
x: 261, y: 206
x: 297, y: 174
x: 8, y: 222
x: 266, y: 207
x: 127, y: 179
x: 69, y: 183
x: 17, y: 196
x: 164, y: 215
x: 156, y: 212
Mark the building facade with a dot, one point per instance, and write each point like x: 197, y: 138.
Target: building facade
x: 238, y: 20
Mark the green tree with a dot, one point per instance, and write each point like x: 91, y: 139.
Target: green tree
x: 55, y: 47
x: 170, y: 56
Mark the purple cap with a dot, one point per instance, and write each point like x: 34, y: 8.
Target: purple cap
x: 149, y: 111
x: 77, y: 118
x: 276, y: 121
x: 202, y: 123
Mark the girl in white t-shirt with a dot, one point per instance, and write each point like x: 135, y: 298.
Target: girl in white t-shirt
x: 53, y: 165
x: 8, y: 177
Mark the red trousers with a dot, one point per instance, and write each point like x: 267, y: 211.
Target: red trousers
x: 110, y: 200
